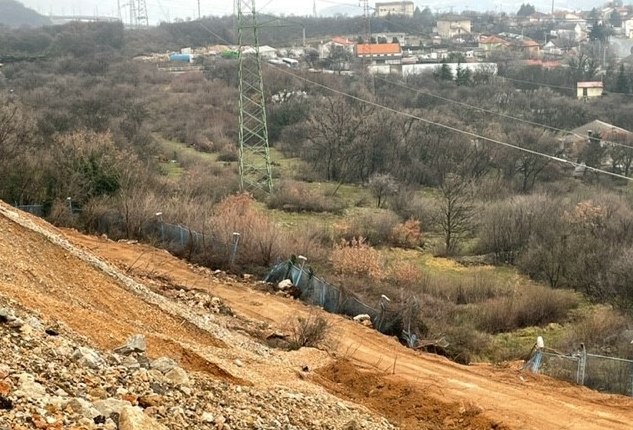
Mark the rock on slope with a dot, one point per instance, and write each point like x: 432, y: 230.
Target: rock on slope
x: 64, y: 313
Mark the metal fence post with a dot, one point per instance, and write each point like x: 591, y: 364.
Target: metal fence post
x: 159, y: 215
x: 631, y: 377
x: 582, y: 363
x: 303, y: 262
x: 236, y: 239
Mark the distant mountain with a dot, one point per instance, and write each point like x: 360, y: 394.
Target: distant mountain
x: 15, y: 14
x: 345, y: 10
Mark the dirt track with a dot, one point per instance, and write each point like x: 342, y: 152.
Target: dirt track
x: 414, y: 390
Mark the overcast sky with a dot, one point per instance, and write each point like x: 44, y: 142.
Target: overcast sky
x: 169, y: 10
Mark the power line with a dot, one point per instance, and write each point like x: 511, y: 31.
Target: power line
x: 451, y: 128
x: 455, y: 129
x: 526, y: 121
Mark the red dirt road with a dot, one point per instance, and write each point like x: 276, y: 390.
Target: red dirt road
x: 414, y: 390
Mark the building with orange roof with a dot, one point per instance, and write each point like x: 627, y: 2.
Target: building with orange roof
x: 492, y: 43
x: 380, y: 53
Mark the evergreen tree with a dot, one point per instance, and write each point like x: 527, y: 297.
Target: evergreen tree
x: 444, y: 72
x: 526, y: 9
x: 622, y: 84
x: 462, y: 75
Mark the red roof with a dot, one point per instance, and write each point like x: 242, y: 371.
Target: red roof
x: 493, y: 39
x: 589, y: 84
x: 342, y: 40
x: 377, y: 48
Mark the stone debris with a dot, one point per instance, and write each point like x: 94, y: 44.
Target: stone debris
x: 363, y: 319
x: 134, y: 343
x: 62, y: 382
x: 285, y: 284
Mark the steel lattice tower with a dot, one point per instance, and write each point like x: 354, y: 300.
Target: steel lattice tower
x: 141, y: 13
x: 254, y: 156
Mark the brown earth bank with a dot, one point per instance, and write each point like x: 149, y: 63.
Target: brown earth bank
x: 105, y: 291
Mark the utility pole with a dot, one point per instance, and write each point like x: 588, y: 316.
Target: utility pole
x: 199, y: 9
x: 254, y: 156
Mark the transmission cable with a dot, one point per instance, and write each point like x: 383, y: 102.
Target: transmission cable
x: 451, y: 128
x: 501, y: 114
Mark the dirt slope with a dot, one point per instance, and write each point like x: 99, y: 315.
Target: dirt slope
x: 413, y: 390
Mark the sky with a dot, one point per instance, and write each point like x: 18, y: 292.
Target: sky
x: 169, y: 10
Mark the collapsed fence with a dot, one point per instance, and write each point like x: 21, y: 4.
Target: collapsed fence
x: 387, y: 318
x: 176, y: 238
x: 596, y: 371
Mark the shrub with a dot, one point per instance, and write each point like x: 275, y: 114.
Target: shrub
x: 406, y: 234
x: 293, y: 196
x: 228, y: 156
x: 479, y: 287
x: 261, y: 242
x: 602, y: 329
x: 310, y: 331
x: 405, y: 274
x: 356, y: 257
x: 465, y: 344
x: 375, y: 227
x: 536, y: 307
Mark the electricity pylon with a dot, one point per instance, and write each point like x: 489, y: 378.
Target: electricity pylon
x: 254, y: 156
x: 141, y: 13
x: 367, y: 63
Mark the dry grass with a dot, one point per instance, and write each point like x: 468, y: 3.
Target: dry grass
x: 536, y: 306
x: 294, y: 196
x: 356, y: 257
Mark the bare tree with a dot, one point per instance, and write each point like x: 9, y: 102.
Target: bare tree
x: 381, y: 187
x: 335, y: 131
x: 16, y: 150
x: 527, y: 165
x: 455, y: 211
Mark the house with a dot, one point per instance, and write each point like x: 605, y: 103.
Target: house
x: 509, y: 40
x: 336, y: 43
x: 627, y: 24
x: 529, y: 46
x: 569, y: 31
x: 538, y: 17
x: 575, y: 142
x: 589, y: 89
x: 380, y: 53
x: 267, y: 51
x: 552, y: 48
x: 451, y: 26
x: 395, y: 8
x: 492, y: 43
x: 390, y: 37
x: 567, y: 17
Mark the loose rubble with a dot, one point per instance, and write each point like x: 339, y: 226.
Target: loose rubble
x: 59, y: 381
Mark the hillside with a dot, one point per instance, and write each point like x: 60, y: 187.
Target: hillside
x: 75, y: 298
x: 14, y: 14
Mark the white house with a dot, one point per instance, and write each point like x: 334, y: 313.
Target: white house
x: 395, y: 8
x: 627, y: 24
x: 325, y: 49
